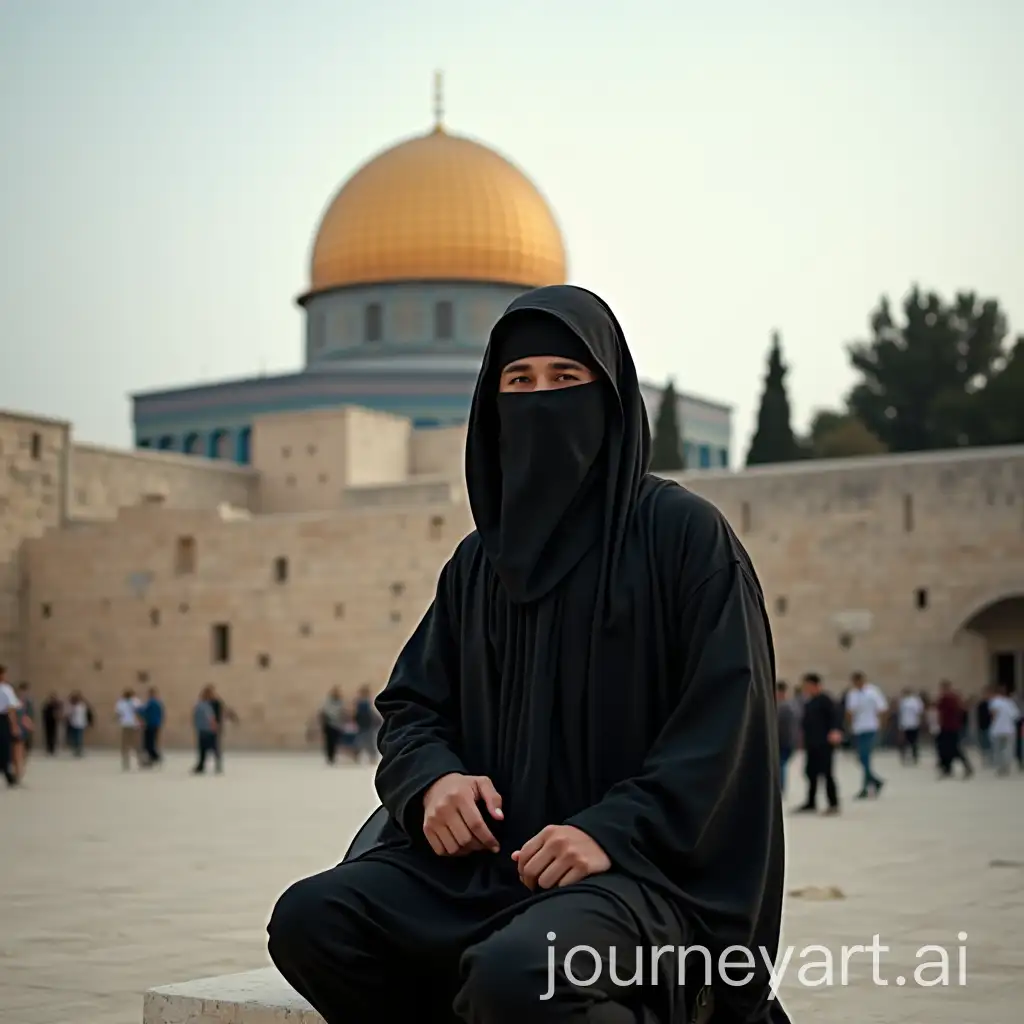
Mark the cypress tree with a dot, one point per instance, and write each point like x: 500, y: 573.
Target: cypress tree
x: 666, y: 444
x: 773, y: 440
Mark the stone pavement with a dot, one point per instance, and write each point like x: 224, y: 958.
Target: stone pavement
x: 113, y: 883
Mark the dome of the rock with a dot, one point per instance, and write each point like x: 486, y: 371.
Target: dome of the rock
x: 438, y: 207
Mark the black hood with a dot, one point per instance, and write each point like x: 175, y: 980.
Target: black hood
x: 626, y: 445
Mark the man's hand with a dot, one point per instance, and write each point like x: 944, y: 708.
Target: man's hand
x: 452, y: 822
x: 835, y: 737
x: 559, y: 855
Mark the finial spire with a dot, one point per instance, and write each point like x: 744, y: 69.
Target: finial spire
x: 438, y: 101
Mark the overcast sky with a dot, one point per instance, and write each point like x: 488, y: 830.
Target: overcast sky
x: 718, y: 170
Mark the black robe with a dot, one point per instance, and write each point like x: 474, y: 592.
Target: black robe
x: 634, y: 701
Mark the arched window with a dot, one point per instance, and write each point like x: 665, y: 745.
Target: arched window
x: 193, y: 444
x: 243, y: 453
x: 166, y: 443
x: 218, y: 446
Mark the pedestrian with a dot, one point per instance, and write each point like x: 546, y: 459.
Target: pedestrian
x: 53, y: 714
x: 950, y: 749
x: 1006, y: 718
x: 911, y: 715
x: 152, y: 715
x: 204, y: 720
x: 866, y: 709
x: 127, y: 712
x: 822, y: 734
x: 9, y: 705
x: 332, y: 719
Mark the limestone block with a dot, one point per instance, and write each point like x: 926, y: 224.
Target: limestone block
x: 255, y: 997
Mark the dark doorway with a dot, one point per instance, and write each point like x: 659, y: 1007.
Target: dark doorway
x: 1006, y: 669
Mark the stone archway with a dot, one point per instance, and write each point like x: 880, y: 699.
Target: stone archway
x: 999, y: 624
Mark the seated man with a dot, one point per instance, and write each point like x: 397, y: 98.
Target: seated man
x: 578, y: 742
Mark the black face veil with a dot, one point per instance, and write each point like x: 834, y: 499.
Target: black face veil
x: 550, y: 473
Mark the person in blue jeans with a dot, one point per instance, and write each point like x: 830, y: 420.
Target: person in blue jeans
x: 866, y: 710
x: 152, y: 720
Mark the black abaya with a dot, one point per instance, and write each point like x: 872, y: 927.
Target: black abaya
x: 624, y: 686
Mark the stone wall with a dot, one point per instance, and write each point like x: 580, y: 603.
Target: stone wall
x: 104, y: 480
x: 306, y: 460
x: 309, y: 601
x: 921, y: 542
x: 33, y: 460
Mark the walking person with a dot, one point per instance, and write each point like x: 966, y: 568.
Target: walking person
x: 78, y: 718
x: 367, y: 723
x: 911, y: 715
x: 204, y: 720
x: 222, y: 713
x: 23, y: 740
x: 53, y: 713
x: 866, y: 708
x: 127, y: 711
x: 1006, y: 717
x: 950, y: 710
x: 152, y: 722
x: 822, y: 734
x: 9, y: 705
x: 983, y: 723
x: 789, y: 729
x: 332, y: 721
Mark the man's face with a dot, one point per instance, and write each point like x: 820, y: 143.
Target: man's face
x: 544, y: 373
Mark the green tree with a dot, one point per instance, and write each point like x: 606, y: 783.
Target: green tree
x: 996, y: 412
x: 773, y: 439
x: 920, y: 379
x: 838, y: 435
x: 666, y: 445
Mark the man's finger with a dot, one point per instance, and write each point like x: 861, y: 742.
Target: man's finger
x: 474, y: 821
x: 451, y: 847
x: 490, y: 797
x: 553, y: 874
x: 435, y: 843
x: 459, y: 831
x: 531, y: 870
x: 529, y: 848
x: 574, y: 874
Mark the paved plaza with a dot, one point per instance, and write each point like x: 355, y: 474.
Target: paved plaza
x: 113, y: 883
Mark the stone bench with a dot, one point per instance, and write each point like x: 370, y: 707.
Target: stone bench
x: 255, y: 997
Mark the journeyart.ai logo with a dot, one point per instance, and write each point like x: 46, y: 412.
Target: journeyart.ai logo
x: 816, y: 966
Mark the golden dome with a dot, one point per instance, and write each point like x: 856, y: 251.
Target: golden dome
x: 438, y: 207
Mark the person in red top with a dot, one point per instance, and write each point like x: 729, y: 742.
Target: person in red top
x: 951, y: 726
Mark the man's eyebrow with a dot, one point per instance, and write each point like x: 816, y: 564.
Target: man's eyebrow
x: 560, y: 364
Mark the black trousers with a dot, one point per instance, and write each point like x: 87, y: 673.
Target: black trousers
x: 950, y: 751
x: 150, y: 736
x: 50, y: 728
x: 207, y: 744
x: 332, y: 736
x: 911, y: 740
x: 367, y: 942
x: 819, y: 766
x: 7, y: 750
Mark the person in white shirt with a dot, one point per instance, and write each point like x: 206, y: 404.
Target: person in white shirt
x: 76, y: 718
x: 127, y: 711
x: 866, y: 708
x: 9, y: 705
x: 1006, y: 717
x: 911, y: 714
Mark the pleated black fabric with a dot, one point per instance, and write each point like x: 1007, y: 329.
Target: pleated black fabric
x: 619, y: 678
